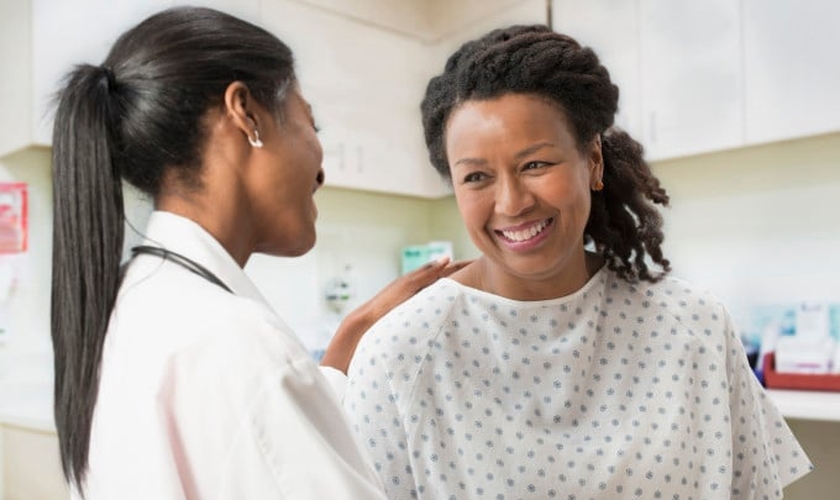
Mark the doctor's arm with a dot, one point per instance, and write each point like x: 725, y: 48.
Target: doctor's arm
x: 350, y: 331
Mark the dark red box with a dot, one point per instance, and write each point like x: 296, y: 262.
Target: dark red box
x: 807, y: 382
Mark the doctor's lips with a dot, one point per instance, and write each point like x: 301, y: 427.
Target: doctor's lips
x: 524, y: 232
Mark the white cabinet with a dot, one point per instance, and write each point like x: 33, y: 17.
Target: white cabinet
x: 42, y: 40
x: 692, y: 84
x: 611, y: 29
x: 366, y: 81
x: 677, y: 64
x: 16, y: 127
x: 714, y: 75
x: 364, y: 77
x: 365, y: 85
x: 792, y: 68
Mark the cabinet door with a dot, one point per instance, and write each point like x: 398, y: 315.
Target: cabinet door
x: 44, y: 39
x: 692, y: 83
x: 611, y: 28
x: 365, y: 85
x: 66, y: 33
x: 15, y: 75
x: 792, y: 68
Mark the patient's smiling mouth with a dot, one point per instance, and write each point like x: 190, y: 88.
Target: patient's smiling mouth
x: 524, y: 233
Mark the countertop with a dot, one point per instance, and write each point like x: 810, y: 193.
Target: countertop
x: 35, y: 412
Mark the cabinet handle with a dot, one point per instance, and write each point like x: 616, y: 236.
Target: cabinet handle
x: 652, y: 128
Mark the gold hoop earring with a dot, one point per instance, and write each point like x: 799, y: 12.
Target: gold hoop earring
x: 255, y: 142
x: 598, y: 185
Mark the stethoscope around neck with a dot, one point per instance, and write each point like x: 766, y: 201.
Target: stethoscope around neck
x: 185, y: 262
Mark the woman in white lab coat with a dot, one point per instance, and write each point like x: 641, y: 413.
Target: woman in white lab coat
x: 174, y: 379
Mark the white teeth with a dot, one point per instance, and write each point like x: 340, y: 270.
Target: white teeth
x: 525, y: 234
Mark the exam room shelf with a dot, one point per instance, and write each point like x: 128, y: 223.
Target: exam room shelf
x: 807, y: 405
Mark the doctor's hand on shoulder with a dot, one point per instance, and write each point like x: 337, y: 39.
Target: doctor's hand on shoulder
x: 350, y: 331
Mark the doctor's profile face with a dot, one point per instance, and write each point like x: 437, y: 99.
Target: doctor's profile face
x: 289, y: 174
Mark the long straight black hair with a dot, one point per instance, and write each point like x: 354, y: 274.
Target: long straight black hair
x: 133, y: 117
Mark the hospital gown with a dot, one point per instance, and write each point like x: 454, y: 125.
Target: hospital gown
x: 617, y: 391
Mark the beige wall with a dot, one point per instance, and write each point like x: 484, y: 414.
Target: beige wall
x: 447, y: 224
x: 25, y: 353
x: 760, y: 224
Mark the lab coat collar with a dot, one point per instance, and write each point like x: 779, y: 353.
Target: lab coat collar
x: 186, y: 237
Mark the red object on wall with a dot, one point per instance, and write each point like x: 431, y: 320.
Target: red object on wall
x: 14, y: 224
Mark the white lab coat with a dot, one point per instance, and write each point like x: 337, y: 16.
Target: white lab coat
x: 207, y: 395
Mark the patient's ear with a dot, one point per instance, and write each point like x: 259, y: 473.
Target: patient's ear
x: 596, y: 163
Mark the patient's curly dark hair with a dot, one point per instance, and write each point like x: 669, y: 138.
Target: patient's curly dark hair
x: 624, y: 225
